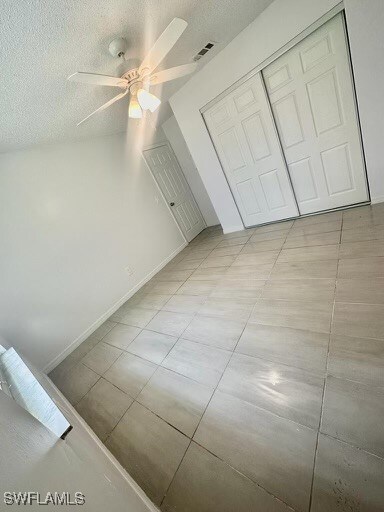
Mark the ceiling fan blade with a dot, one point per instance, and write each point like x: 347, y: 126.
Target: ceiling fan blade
x: 106, y: 105
x: 96, y: 79
x: 173, y: 73
x: 163, y: 45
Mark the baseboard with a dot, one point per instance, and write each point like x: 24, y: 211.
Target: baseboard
x: 379, y: 199
x: 58, y: 359
x: 80, y: 424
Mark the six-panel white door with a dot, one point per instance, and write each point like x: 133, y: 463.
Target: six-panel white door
x: 243, y: 132
x: 167, y: 172
x: 311, y: 93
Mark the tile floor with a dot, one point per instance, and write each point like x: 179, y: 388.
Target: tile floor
x: 248, y: 375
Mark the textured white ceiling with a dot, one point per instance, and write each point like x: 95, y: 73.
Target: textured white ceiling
x: 44, y: 41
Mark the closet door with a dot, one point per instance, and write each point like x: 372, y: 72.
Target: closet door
x: 243, y: 132
x: 311, y: 93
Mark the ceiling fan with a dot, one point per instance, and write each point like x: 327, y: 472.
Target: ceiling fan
x: 137, y: 81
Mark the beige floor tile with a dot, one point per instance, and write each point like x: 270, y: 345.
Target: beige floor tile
x: 104, y: 329
x: 303, y: 349
x: 138, y: 317
x: 196, y: 288
x: 152, y: 301
x: 173, y: 275
x: 152, y: 346
x: 313, y: 240
x: 346, y: 478
x: 360, y: 359
x: 274, y: 226
x: 300, y: 289
x: 369, y: 291
x: 269, y: 235
x: 166, y: 287
x: 315, y: 253
x: 358, y: 320
x: 274, y: 452
x: 130, y: 374
x: 185, y: 303
x: 287, y: 391
x: 199, y: 362
x: 363, y: 211
x: 204, y: 483
x: 260, y: 271
x: 326, y: 269
x: 240, y: 240
x: 197, y: 254
x: 231, y: 250
x: 122, y: 335
x: 310, y: 316
x: 149, y: 449
x: 217, y: 261
x: 363, y: 233
x: 170, y: 323
x: 361, y: 267
x: 180, y: 401
x: 269, y: 245
x: 365, y: 216
x: 101, y: 357
x: 312, y: 229
x: 353, y: 412
x: 236, y: 309
x: 212, y: 274
x: 368, y: 249
x: 103, y: 407
x: 258, y: 258
x: 189, y: 264
x: 77, y: 382
x: 72, y: 359
x: 217, y: 332
x: 237, y: 288
x: 318, y: 219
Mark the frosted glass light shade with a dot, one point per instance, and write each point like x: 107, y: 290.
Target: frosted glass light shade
x: 134, y: 110
x: 147, y: 100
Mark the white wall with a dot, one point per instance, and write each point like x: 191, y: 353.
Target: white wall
x: 282, y: 21
x: 365, y: 21
x: 72, y: 218
x: 176, y: 139
x: 33, y: 459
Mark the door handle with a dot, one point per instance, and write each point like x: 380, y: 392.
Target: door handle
x: 171, y: 204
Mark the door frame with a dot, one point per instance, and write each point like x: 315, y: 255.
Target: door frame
x: 339, y: 8
x: 167, y: 144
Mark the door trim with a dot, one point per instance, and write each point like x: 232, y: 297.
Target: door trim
x: 167, y: 144
x: 354, y: 93
x: 293, y: 42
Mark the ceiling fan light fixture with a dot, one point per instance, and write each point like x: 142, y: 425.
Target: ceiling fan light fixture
x: 134, y: 110
x: 147, y: 100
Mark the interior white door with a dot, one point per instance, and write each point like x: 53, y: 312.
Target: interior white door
x: 167, y: 172
x: 243, y: 132
x: 311, y: 92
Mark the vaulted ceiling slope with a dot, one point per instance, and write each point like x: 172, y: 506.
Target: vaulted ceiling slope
x: 44, y: 41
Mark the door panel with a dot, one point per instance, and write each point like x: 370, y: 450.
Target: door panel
x: 243, y: 132
x: 311, y: 92
x: 167, y: 172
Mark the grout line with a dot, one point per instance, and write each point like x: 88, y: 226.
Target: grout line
x: 325, y: 381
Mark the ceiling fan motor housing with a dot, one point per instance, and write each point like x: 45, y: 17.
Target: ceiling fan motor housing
x: 118, y: 47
